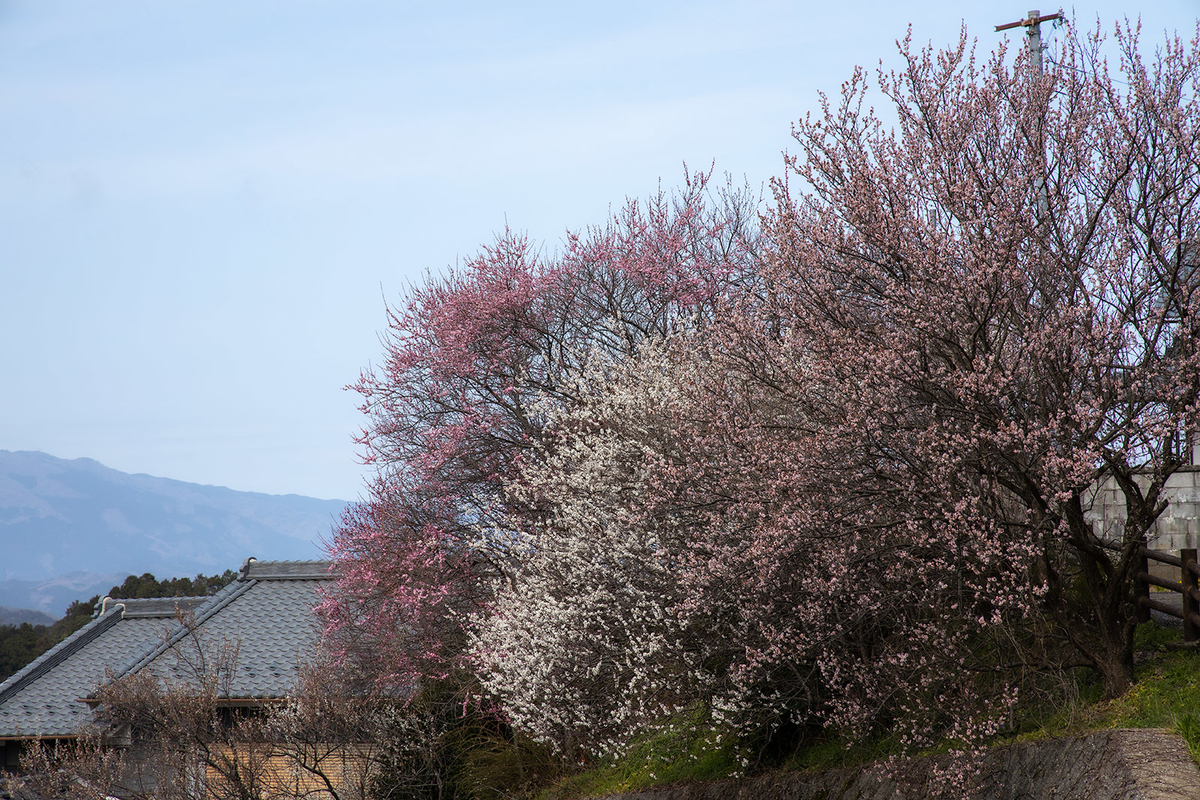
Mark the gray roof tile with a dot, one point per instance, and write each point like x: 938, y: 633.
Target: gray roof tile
x: 42, y: 699
x: 266, y: 613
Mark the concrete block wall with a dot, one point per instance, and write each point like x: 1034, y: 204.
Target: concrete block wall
x: 1177, y: 528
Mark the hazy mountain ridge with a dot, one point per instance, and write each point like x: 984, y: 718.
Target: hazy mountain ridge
x: 17, y: 616
x: 54, y: 595
x: 66, y: 526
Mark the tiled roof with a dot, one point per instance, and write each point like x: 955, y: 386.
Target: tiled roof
x: 266, y: 614
x: 42, y: 699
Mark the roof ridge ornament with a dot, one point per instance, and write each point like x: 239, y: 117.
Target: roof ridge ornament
x: 245, y: 570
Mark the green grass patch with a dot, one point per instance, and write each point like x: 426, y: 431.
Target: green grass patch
x: 830, y: 751
x: 685, y: 751
x: 1151, y: 638
x: 689, y: 751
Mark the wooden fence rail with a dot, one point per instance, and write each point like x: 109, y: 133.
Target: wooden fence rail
x: 1189, y: 571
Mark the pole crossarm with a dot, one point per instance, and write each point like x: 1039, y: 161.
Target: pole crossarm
x: 1031, y: 21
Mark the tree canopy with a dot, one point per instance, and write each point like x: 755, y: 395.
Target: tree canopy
x: 827, y: 460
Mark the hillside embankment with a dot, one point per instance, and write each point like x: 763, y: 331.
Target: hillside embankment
x: 1120, y: 764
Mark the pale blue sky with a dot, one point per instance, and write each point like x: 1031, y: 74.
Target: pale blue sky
x: 204, y: 204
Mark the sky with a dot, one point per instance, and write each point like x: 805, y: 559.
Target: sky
x: 205, y: 207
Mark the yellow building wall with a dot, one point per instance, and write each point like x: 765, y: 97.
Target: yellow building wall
x: 288, y: 772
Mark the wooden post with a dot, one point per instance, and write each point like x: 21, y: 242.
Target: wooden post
x: 1190, y: 607
x: 1141, y: 587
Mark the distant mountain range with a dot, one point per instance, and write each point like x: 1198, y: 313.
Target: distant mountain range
x: 17, y: 616
x: 71, y: 529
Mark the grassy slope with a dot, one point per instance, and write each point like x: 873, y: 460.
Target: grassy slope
x: 1166, y: 695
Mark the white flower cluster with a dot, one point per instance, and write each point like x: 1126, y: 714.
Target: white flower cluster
x: 586, y: 645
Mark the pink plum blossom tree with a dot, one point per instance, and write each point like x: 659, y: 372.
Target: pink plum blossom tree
x: 1004, y: 289
x: 474, y: 362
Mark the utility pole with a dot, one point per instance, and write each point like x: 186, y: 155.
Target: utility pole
x: 1034, y: 33
x: 1033, y: 41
